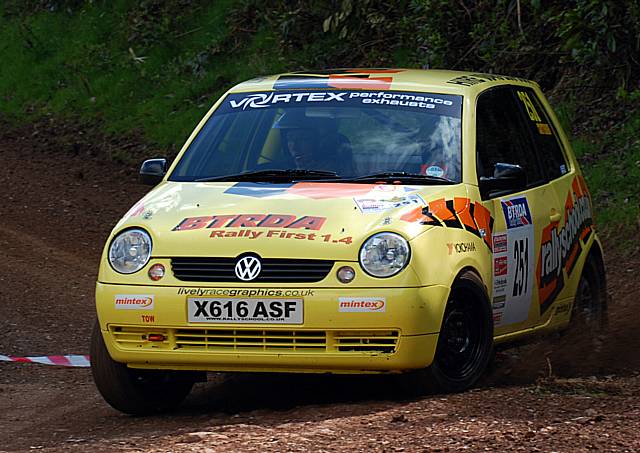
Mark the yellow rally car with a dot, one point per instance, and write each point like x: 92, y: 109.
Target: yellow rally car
x: 350, y: 221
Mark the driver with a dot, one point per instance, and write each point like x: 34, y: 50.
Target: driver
x: 304, y: 141
x: 302, y: 146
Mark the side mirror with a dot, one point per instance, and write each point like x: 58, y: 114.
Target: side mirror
x: 152, y: 171
x: 506, y: 178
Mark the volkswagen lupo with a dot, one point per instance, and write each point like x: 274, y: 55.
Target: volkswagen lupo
x: 350, y: 221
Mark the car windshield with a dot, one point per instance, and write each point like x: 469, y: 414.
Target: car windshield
x: 328, y: 135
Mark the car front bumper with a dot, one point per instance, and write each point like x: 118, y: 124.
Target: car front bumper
x: 402, y: 337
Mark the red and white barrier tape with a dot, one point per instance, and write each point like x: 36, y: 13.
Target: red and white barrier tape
x: 80, y: 361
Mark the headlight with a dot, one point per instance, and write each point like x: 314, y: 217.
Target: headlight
x: 384, y: 254
x: 130, y: 251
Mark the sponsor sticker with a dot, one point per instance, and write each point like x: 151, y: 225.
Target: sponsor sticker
x: 439, y: 104
x: 281, y: 234
x: 242, y: 292
x: 500, y: 266
x: 561, y: 245
x: 500, y: 243
x: 516, y: 212
x: 368, y: 205
x: 362, y: 304
x: 461, y: 247
x: 134, y: 302
x: 499, y: 285
x: 499, y: 302
x: 251, y: 220
x: 434, y: 170
x: 269, y: 226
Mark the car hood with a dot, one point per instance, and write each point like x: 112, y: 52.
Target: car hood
x: 298, y: 220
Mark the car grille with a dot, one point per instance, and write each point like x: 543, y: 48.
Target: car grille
x: 257, y: 340
x: 274, y: 270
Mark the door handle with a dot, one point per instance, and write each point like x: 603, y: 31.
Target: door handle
x: 554, y: 216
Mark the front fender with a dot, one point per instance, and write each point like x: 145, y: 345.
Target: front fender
x: 439, y: 254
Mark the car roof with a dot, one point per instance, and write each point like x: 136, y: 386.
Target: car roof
x: 422, y: 80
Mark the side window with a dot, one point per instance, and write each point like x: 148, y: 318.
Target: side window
x: 546, y: 142
x: 502, y: 135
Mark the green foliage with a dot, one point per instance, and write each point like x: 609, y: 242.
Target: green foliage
x: 592, y: 29
x: 612, y: 168
x: 152, y: 67
x: 155, y: 66
x: 524, y: 38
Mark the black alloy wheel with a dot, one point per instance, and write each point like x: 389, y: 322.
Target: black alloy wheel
x: 589, y: 307
x: 460, y: 344
x: 465, y: 343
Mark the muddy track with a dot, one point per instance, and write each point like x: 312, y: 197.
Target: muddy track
x: 57, y: 209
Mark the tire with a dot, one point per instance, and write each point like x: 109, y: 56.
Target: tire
x: 589, y: 312
x: 133, y: 391
x: 465, y: 343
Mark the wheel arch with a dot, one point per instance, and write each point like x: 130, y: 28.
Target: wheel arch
x: 596, y: 254
x: 476, y: 273
x: 476, y: 281
x: 463, y: 276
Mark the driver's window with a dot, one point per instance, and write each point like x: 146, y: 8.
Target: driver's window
x: 503, y: 136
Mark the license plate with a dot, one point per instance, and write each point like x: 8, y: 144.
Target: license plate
x: 255, y: 311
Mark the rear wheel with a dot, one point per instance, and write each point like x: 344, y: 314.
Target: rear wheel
x: 132, y: 391
x: 589, y: 307
x: 465, y: 343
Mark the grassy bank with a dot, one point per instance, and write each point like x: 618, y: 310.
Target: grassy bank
x: 152, y: 68
x: 611, y: 163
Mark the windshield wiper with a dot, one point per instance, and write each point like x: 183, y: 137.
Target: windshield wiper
x: 404, y: 177
x: 262, y: 175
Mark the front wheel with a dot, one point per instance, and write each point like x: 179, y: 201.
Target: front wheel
x: 133, y: 391
x: 465, y: 343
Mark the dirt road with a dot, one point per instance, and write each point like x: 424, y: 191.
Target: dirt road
x: 60, y: 199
